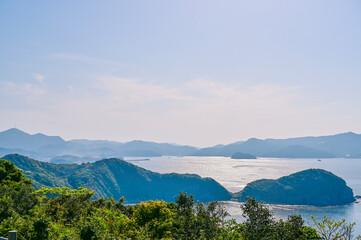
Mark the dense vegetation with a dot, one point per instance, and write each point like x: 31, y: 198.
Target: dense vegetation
x: 116, y: 178
x: 62, y: 213
x: 309, y: 187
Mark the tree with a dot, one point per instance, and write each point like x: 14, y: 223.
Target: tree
x: 259, y: 220
x: 185, y: 216
x: 331, y: 229
x: 65, y: 204
x: 155, y: 217
x: 260, y: 224
x: 16, y: 193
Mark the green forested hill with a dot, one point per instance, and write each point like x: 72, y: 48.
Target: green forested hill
x: 309, y: 187
x: 116, y: 178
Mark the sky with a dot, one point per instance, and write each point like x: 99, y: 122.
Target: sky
x: 188, y: 72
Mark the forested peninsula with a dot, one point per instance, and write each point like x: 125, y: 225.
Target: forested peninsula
x: 117, y: 178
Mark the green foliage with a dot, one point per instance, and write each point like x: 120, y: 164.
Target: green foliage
x: 259, y: 219
x: 260, y: 224
x: 197, y: 220
x: 331, y: 229
x: 231, y: 230
x: 293, y: 228
x: 68, y: 205
x: 10, y: 173
x: 63, y: 232
x: 153, y: 217
x: 16, y: 192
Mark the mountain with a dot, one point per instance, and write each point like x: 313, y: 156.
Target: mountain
x: 116, y: 178
x: 310, y: 187
x: 81, y: 149
x: 106, y: 149
x: 296, y: 151
x: 44, y: 147
x: 15, y: 138
x: 339, y: 145
x: 70, y: 159
x: 252, y: 146
x: 5, y: 151
x: 239, y: 155
x: 354, y: 155
x: 164, y: 149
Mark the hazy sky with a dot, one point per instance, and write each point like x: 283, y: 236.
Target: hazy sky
x: 188, y: 72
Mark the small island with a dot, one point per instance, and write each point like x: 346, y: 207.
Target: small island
x: 309, y: 187
x: 240, y: 155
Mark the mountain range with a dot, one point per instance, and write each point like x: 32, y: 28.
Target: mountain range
x: 43, y: 147
x: 339, y: 145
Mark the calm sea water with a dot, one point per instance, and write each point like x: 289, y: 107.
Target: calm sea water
x: 235, y: 174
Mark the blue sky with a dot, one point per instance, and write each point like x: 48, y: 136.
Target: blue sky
x: 188, y: 72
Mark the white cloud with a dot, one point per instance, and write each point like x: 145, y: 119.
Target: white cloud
x: 38, y: 77
x: 196, y: 93
x: 198, y: 112
x: 195, y: 112
x: 131, y: 92
x: 71, y: 88
x: 24, y: 89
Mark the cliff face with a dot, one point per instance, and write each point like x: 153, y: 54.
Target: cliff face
x: 116, y: 178
x: 310, y: 187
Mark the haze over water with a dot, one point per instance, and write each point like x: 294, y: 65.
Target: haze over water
x: 234, y: 174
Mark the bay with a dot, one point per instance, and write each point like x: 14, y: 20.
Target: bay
x: 234, y: 174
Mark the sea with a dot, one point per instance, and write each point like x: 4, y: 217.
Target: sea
x: 234, y: 174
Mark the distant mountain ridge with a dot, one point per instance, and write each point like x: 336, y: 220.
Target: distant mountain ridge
x: 15, y: 138
x: 339, y: 145
x: 239, y: 155
x: 297, y: 151
x: 41, y: 146
x: 45, y: 147
x: 116, y: 178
